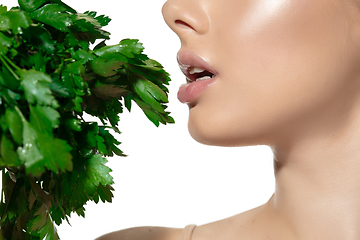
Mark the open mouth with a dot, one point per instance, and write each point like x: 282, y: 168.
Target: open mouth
x: 197, y: 74
x: 194, y: 67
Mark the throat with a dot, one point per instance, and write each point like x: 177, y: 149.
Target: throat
x: 318, y: 201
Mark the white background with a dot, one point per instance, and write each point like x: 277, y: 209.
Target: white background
x: 168, y: 179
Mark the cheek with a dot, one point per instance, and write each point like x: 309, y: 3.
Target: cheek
x: 285, y: 68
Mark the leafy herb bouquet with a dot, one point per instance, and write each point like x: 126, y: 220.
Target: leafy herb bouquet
x: 52, y: 160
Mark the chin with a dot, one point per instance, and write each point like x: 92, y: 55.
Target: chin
x: 218, y: 136
x: 227, y: 129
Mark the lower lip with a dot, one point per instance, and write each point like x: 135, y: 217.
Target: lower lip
x: 189, y: 92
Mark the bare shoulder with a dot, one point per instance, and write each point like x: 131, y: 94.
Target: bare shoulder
x: 144, y: 233
x: 255, y: 224
x: 240, y: 226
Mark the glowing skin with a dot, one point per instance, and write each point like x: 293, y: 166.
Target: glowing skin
x: 279, y: 62
x: 288, y: 76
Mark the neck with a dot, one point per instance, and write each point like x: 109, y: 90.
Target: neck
x: 318, y: 185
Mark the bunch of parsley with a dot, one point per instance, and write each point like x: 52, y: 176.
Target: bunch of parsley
x: 52, y: 160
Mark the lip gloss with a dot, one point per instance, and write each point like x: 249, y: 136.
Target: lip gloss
x: 188, y: 60
x: 190, y: 91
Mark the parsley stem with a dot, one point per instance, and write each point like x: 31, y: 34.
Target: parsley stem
x: 3, y: 60
x: 12, y: 64
x: 23, y: 119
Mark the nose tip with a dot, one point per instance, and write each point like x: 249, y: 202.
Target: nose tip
x: 185, y: 15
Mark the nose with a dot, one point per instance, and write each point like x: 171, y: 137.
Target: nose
x: 184, y: 16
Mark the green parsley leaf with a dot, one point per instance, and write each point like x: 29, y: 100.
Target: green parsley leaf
x: 150, y: 93
x: 36, y: 87
x: 3, y: 9
x: 8, y: 152
x: 5, y: 43
x: 44, y: 119
x: 29, y: 153
x: 14, y: 20
x: 31, y: 5
x: 14, y: 123
x: 54, y: 15
x: 51, y: 157
x: 108, y: 64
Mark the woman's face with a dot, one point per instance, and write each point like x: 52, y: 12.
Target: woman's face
x: 281, y: 67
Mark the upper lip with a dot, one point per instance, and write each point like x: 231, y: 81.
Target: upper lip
x: 187, y: 60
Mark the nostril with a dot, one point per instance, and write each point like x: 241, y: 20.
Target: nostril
x: 182, y: 23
